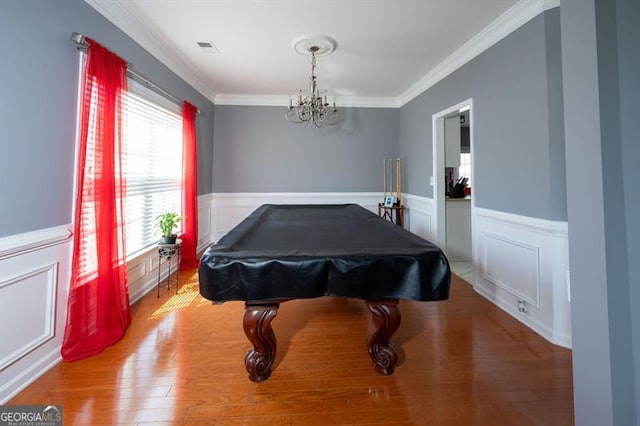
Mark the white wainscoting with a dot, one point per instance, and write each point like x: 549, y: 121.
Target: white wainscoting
x: 34, y: 282
x: 142, y: 269
x: 35, y: 271
x: 515, y: 258
x: 419, y: 217
x: 205, y: 212
x: 520, y: 264
x: 142, y: 273
x: 229, y: 209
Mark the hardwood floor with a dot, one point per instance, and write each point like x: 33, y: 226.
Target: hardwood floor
x: 462, y: 362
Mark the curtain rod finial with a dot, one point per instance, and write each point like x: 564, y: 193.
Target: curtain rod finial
x: 78, y: 38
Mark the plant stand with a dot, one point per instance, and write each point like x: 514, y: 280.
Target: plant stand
x: 168, y: 254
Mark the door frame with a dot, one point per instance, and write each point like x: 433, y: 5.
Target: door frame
x: 437, y: 179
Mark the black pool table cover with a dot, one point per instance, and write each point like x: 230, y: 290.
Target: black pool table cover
x: 282, y: 252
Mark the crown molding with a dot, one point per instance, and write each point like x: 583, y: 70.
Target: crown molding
x: 512, y: 19
x: 369, y: 102
x: 123, y: 16
x: 283, y: 100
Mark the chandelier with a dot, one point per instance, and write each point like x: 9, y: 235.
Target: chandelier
x: 313, y: 107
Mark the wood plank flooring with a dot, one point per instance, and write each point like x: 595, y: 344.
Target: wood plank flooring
x: 462, y: 362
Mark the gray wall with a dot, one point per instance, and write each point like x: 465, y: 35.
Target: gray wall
x: 257, y: 150
x: 38, y: 94
x: 601, y: 68
x: 518, y: 132
x: 628, y: 36
x: 555, y: 115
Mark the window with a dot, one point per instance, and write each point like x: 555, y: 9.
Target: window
x: 465, y: 167
x: 152, y: 166
x: 152, y: 163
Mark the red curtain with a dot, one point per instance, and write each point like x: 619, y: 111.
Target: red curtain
x: 98, y: 305
x: 189, y: 187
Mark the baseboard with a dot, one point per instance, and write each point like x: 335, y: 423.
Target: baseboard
x: 557, y: 338
x: 29, y: 375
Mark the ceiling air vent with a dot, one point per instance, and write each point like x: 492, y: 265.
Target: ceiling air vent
x: 208, y: 47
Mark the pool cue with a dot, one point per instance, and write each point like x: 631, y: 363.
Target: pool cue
x: 390, y: 184
x: 388, y: 177
x: 395, y: 175
x: 384, y: 178
x: 399, y: 170
x: 395, y: 164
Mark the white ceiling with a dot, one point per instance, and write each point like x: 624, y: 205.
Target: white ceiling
x: 387, y: 52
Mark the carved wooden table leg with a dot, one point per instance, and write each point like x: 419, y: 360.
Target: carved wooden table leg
x: 257, y: 327
x: 386, y: 319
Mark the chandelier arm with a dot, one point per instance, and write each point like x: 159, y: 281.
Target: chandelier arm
x: 291, y: 119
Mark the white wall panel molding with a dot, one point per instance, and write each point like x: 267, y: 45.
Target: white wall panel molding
x: 521, y: 277
x: 38, y: 289
x: 229, y: 209
x: 35, y: 274
x: 521, y: 265
x: 550, y: 228
x: 205, y: 209
x: 518, y: 258
x: 21, y: 243
x: 36, y: 267
x: 243, y: 199
x: 419, y: 215
x: 142, y: 273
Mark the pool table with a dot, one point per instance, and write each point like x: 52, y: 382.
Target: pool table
x: 285, y: 252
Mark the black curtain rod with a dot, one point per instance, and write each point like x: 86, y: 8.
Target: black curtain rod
x: 82, y: 44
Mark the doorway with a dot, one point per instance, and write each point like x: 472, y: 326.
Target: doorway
x: 453, y: 199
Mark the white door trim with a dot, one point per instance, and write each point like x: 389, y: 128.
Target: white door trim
x: 437, y: 127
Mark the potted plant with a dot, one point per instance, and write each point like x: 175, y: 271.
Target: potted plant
x: 167, y: 222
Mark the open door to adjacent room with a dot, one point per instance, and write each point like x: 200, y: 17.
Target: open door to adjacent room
x: 453, y: 198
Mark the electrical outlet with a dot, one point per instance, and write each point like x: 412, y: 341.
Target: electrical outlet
x: 522, y: 306
x: 431, y: 180
x: 568, y: 286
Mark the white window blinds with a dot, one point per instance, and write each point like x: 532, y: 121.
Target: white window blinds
x: 152, y: 164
